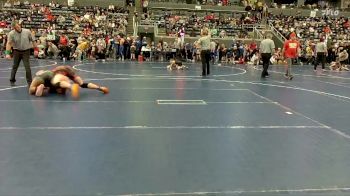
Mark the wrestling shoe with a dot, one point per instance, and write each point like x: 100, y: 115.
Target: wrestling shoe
x: 75, y: 91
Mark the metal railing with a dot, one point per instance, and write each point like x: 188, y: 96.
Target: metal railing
x: 258, y: 34
x: 134, y: 25
x: 155, y: 30
x: 277, y: 33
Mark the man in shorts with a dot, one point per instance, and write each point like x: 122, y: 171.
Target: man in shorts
x: 291, y: 50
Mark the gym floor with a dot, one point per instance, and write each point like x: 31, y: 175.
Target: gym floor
x: 163, y: 132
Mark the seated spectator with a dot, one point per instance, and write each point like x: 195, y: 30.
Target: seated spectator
x: 52, y: 50
x: 341, y: 61
x: 8, y: 4
x: 222, y: 34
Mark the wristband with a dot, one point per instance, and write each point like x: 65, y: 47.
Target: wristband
x: 7, y: 52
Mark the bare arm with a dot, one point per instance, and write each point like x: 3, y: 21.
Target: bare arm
x: 9, y: 45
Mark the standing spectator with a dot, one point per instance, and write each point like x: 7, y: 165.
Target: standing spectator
x: 204, y: 44
x: 267, y: 48
x: 64, y: 47
x: 2, y: 44
x: 145, y: 6
x: 291, y: 50
x: 101, y: 46
x: 21, y: 40
x: 181, y: 36
x: 121, y: 47
x: 132, y: 51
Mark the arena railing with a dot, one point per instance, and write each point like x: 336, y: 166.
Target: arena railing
x: 134, y: 26
x: 156, y: 30
x: 209, y: 10
x: 276, y: 32
x: 258, y: 34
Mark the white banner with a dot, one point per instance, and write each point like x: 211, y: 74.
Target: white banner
x: 51, y: 37
x: 313, y: 14
x: 70, y: 2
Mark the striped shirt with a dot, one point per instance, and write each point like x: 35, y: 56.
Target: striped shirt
x: 21, y: 41
x: 321, y: 47
x: 267, y: 46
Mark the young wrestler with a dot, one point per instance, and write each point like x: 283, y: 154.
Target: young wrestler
x: 64, y: 74
x: 41, y: 81
x: 176, y: 65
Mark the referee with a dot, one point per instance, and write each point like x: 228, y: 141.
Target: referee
x: 267, y: 47
x: 204, y: 44
x: 321, y: 53
x: 21, y: 40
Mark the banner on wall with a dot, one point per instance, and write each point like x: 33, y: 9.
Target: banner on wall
x: 345, y: 4
x: 51, y: 37
x: 313, y: 14
x: 70, y: 2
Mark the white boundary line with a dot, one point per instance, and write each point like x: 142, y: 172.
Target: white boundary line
x: 316, y: 76
x: 121, y: 101
x: 289, y: 87
x: 244, y: 82
x: 33, y: 67
x: 300, y: 114
x: 335, y: 84
x: 160, y: 76
x: 12, y: 87
x: 239, y: 192
x: 163, y: 127
x: 257, y: 83
x: 9, y: 77
x: 180, y: 102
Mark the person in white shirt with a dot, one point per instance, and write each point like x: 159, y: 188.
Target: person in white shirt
x: 101, y: 46
x: 52, y: 50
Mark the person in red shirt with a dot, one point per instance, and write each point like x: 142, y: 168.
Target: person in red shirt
x: 3, y: 24
x: 253, y: 48
x: 327, y: 29
x: 210, y: 17
x: 291, y: 50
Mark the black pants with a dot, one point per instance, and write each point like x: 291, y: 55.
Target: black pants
x: 266, y: 62
x: 17, y: 57
x: 321, y: 58
x: 100, y: 55
x: 205, y: 57
x: 331, y: 55
x: 65, y: 52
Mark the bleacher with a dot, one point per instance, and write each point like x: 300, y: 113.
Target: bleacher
x: 234, y: 24
x: 318, y: 25
x: 73, y: 28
